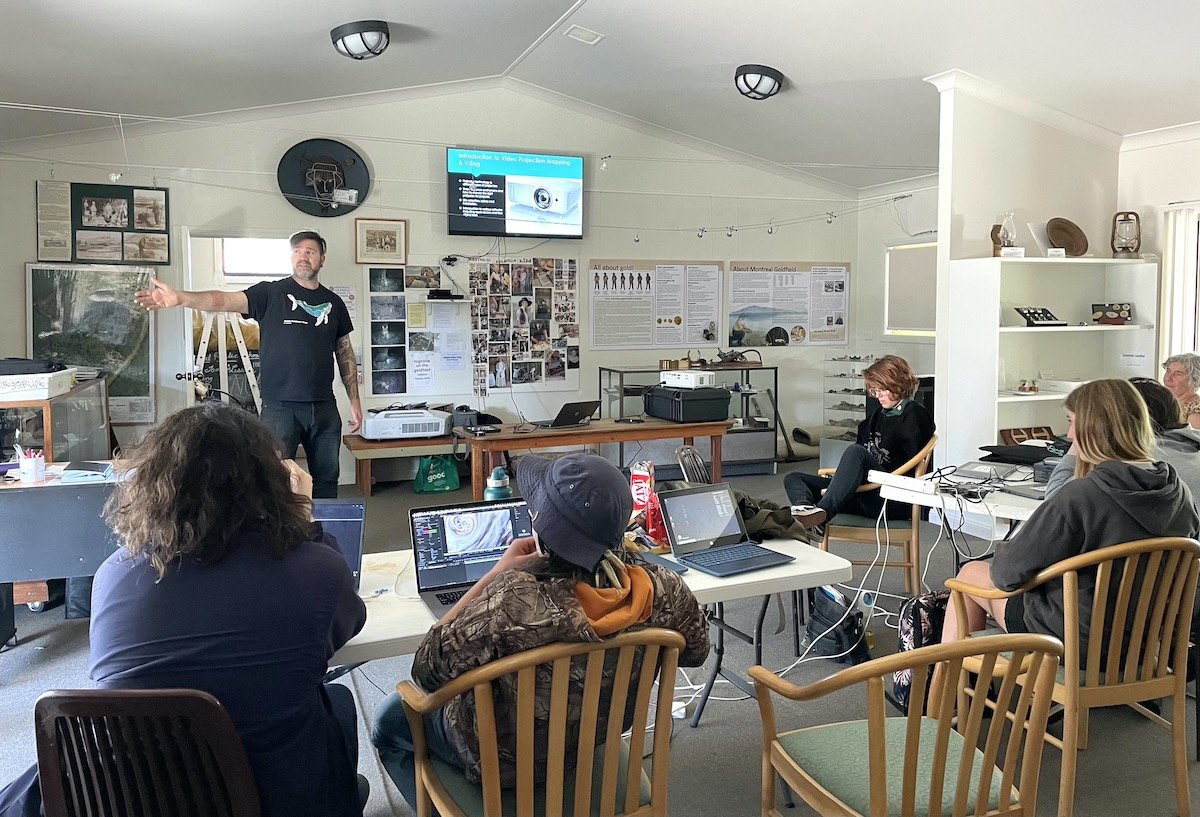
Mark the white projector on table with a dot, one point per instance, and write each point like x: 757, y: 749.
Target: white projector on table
x: 400, y: 424
x: 683, y: 379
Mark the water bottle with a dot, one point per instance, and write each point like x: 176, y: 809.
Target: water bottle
x: 497, y: 485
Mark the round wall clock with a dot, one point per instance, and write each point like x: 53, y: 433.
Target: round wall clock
x: 323, y: 177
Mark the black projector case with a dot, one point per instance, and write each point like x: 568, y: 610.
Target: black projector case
x: 686, y: 405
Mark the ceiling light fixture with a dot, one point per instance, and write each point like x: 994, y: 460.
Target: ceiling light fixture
x: 757, y: 81
x: 361, y: 40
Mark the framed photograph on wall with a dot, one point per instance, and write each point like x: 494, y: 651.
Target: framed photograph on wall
x: 85, y: 316
x: 103, y: 223
x: 381, y: 242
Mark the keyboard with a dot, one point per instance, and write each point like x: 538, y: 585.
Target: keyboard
x: 450, y: 596
x: 727, y: 554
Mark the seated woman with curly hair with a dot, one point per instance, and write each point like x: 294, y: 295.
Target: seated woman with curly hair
x: 890, y: 436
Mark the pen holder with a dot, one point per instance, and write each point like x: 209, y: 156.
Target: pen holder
x: 32, y: 469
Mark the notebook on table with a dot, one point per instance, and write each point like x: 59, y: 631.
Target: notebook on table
x: 571, y: 414
x: 706, y: 532
x: 455, y: 545
x: 345, y: 520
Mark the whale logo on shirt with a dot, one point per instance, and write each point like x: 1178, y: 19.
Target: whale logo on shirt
x: 321, y: 313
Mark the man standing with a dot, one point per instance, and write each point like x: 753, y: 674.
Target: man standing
x: 300, y: 323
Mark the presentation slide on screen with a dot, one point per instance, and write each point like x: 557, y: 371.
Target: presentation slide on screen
x: 514, y: 194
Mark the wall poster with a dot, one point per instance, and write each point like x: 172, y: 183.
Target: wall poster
x: 85, y: 316
x: 639, y: 304
x: 525, y: 325
x: 788, y: 303
x: 102, y: 223
x: 386, y: 336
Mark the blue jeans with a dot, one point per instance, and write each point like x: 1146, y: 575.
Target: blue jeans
x: 840, y: 490
x: 317, y: 427
x: 392, y: 736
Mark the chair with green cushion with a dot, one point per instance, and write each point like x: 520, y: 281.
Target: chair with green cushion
x: 595, y: 774
x: 897, y: 533
x: 952, y: 761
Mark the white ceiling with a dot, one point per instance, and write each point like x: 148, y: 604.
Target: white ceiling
x: 854, y: 110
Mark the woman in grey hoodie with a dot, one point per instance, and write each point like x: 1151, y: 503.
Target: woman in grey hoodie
x: 1120, y: 493
x: 1178, y: 443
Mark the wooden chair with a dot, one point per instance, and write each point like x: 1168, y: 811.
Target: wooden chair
x: 128, y: 753
x: 895, y: 533
x: 606, y: 776
x: 949, y: 762
x: 1144, y: 590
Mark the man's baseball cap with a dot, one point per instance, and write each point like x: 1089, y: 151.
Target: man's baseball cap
x: 581, y: 503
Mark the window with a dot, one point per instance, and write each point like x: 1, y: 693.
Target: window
x: 910, y: 284
x: 246, y: 261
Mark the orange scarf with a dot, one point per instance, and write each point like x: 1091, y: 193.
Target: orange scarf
x: 611, y: 609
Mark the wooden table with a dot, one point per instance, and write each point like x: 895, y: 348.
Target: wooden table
x: 364, y: 451
x: 486, y: 450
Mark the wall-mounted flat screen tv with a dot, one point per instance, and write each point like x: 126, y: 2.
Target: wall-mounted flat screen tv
x: 506, y: 193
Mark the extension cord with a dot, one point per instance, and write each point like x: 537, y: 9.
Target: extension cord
x: 924, y: 486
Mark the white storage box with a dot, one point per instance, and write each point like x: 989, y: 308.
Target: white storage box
x: 1060, y: 386
x: 15, y: 387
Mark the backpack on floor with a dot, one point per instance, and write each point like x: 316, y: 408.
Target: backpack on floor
x: 920, y: 624
x: 835, y: 630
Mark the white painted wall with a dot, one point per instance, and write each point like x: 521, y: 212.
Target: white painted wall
x: 222, y: 182
x: 1156, y: 169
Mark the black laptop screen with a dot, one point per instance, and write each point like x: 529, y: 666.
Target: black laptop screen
x: 456, y: 545
x: 701, y: 516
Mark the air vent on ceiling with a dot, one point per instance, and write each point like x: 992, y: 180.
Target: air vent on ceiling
x: 584, y: 35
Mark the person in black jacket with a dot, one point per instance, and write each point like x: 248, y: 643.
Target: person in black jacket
x: 1119, y: 494
x: 890, y: 436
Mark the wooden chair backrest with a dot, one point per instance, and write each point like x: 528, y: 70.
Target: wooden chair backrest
x: 128, y: 753
x: 1141, y: 610
x: 1012, y: 745
x: 658, y: 651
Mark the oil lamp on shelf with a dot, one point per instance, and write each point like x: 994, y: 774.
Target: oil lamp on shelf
x: 1126, y: 234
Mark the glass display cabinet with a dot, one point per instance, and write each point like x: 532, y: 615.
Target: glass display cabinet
x: 72, y: 426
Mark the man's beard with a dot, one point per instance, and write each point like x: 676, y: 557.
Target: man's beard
x: 304, y: 272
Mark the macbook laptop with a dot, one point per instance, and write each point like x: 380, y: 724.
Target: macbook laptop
x: 571, y: 414
x: 344, y: 520
x: 979, y: 471
x: 455, y: 545
x: 706, y: 532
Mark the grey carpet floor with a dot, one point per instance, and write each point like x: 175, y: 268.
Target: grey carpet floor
x: 715, y: 768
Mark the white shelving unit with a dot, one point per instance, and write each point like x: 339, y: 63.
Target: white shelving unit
x: 990, y: 349
x: 843, y: 398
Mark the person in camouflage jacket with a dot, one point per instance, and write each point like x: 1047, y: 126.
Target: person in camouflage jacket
x: 545, y: 589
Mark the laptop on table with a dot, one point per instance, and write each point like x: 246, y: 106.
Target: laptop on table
x: 706, y: 532
x: 571, y: 414
x: 344, y: 519
x: 455, y: 545
x: 979, y: 471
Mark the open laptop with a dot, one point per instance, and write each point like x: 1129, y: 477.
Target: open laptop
x: 706, y: 532
x: 344, y: 520
x: 571, y: 414
x: 455, y: 545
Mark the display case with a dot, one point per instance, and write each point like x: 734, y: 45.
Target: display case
x: 71, y: 426
x: 843, y: 397
x: 749, y: 447
x: 992, y: 347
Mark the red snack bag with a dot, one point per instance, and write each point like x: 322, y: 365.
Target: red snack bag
x: 641, y: 484
x: 655, y: 527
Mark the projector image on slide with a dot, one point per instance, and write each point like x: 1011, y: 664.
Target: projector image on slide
x: 553, y: 196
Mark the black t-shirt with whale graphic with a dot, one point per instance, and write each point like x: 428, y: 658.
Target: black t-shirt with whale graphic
x: 298, y: 331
